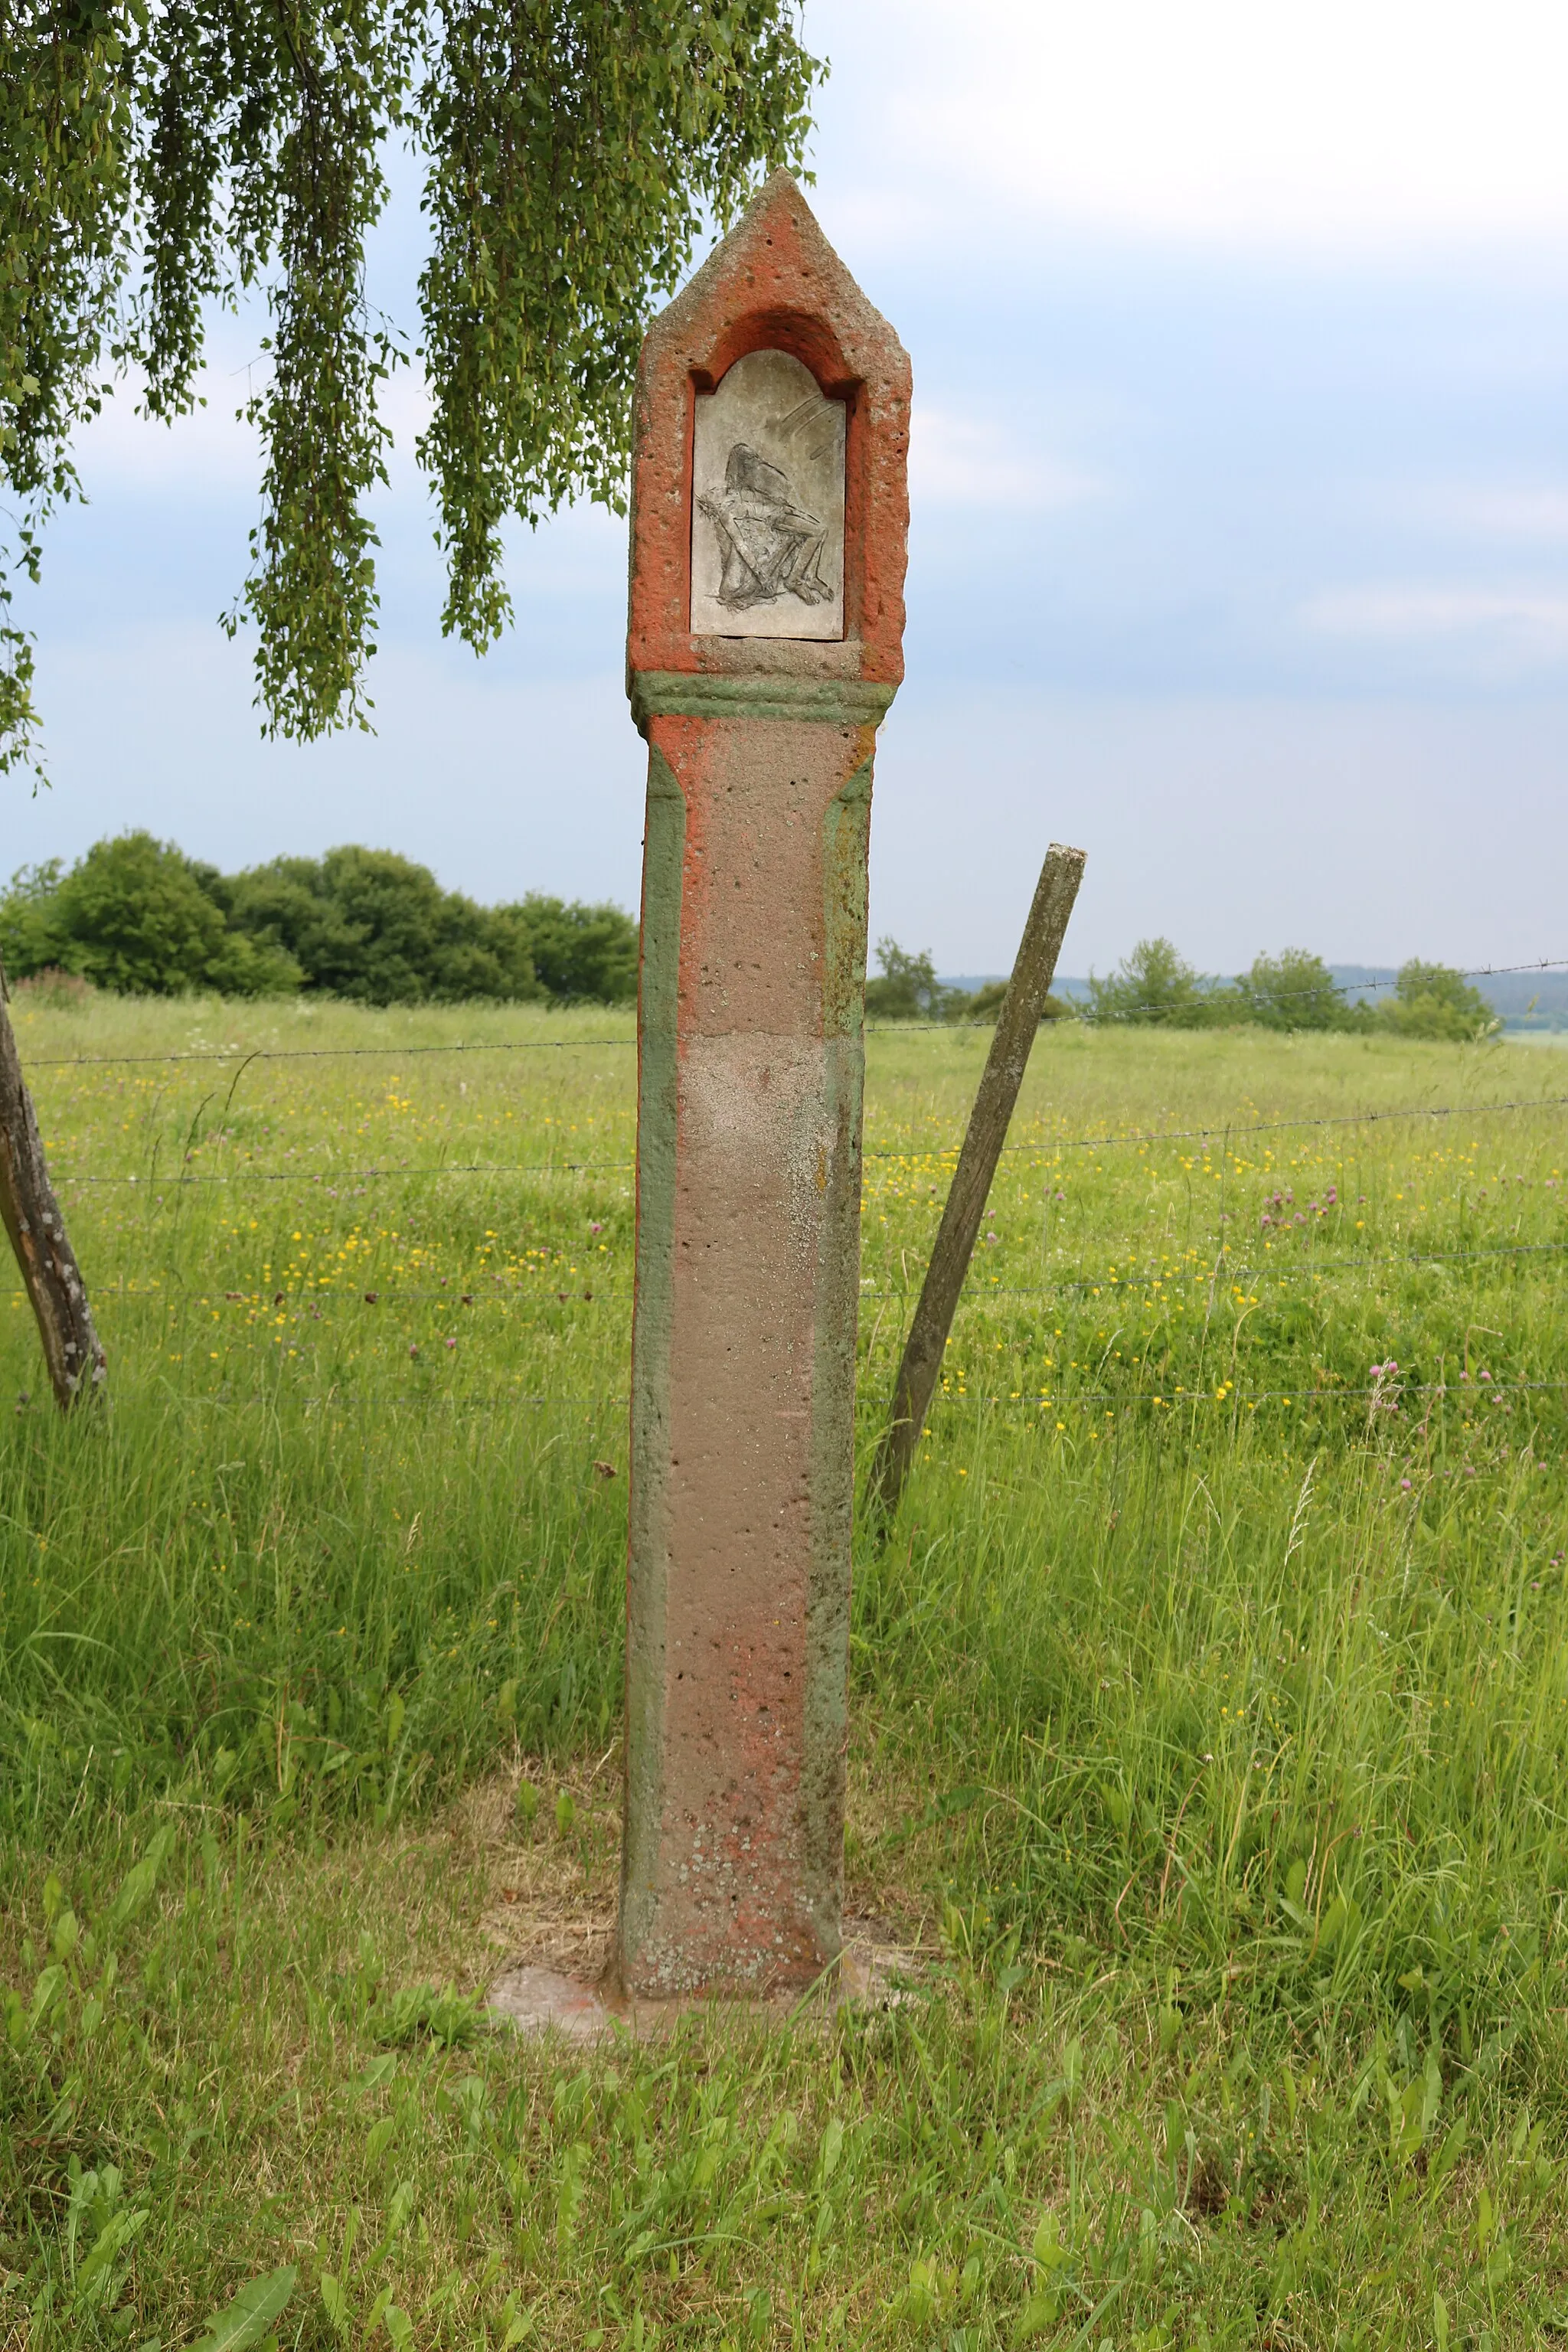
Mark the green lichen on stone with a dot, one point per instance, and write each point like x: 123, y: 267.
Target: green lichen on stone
x: 656, y: 1105
x: 846, y: 838
x: 688, y: 694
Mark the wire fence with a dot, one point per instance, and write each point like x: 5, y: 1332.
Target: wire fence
x: 1220, y: 1264
x: 1152, y: 1008
x: 367, y: 1175
x: 1103, y: 1402
x: 1042, y: 1147
x: 329, y: 1174
x: 1216, y: 1265
x: 334, y: 1178
x: 1387, y: 1397
x: 329, y: 1052
x: 612, y: 1292
x: 1238, y: 1128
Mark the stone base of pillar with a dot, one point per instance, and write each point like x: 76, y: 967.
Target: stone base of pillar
x: 870, y: 1974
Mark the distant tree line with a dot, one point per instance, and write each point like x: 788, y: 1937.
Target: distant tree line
x: 137, y: 915
x: 1155, y: 987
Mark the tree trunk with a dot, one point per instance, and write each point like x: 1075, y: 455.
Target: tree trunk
x: 32, y: 1218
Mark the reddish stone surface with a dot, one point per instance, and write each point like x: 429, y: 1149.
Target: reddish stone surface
x: 775, y: 284
x: 749, y: 1155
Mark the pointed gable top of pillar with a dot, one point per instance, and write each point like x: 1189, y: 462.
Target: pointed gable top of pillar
x: 773, y: 285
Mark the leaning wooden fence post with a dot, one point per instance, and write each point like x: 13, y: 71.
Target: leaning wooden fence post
x: 1004, y: 1075
x: 32, y: 1218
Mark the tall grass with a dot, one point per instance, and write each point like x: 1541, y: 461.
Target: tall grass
x: 1217, y: 1659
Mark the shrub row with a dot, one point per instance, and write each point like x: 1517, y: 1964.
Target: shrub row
x: 137, y: 915
x: 1155, y: 987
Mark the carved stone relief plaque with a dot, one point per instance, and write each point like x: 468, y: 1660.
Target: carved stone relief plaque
x: 767, y: 504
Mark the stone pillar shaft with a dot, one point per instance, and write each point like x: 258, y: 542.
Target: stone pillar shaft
x: 748, y: 1263
x: 750, y: 1071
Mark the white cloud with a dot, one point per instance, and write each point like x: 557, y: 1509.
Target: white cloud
x: 1351, y: 124
x: 1519, y: 627
x: 968, y: 462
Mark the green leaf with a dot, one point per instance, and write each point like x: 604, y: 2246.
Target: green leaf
x: 1047, y: 2249
x: 140, y: 1880
x: 49, y: 1984
x: 1040, y: 2312
x: 516, y: 2324
x: 427, y: 2012
x: 249, y: 2315
x: 1448, y: 2155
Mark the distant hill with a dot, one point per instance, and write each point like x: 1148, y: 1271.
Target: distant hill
x: 969, y: 981
x: 1529, y: 999
x: 1525, y: 999
x: 1365, y: 983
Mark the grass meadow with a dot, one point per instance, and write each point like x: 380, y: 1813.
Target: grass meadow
x: 1210, y: 1715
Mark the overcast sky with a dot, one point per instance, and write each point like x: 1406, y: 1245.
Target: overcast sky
x: 1240, y: 494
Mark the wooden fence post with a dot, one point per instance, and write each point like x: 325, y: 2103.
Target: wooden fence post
x: 1004, y: 1075
x: 31, y: 1215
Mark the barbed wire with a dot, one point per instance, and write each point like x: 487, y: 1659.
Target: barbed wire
x: 325, y: 1052
x: 1275, y: 1125
x: 353, y: 1053
x: 1470, y: 1391
x: 1041, y: 1146
x: 350, y: 1294
x: 611, y: 1291
x: 363, y: 1175
x: 1222, y: 1269
x: 1171, y: 1398
x: 381, y: 1398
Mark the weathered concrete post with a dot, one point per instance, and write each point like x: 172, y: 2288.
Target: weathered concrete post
x: 769, y: 524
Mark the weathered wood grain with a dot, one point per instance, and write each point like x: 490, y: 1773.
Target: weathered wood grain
x: 31, y: 1215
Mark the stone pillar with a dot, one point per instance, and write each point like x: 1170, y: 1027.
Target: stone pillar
x: 769, y: 524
